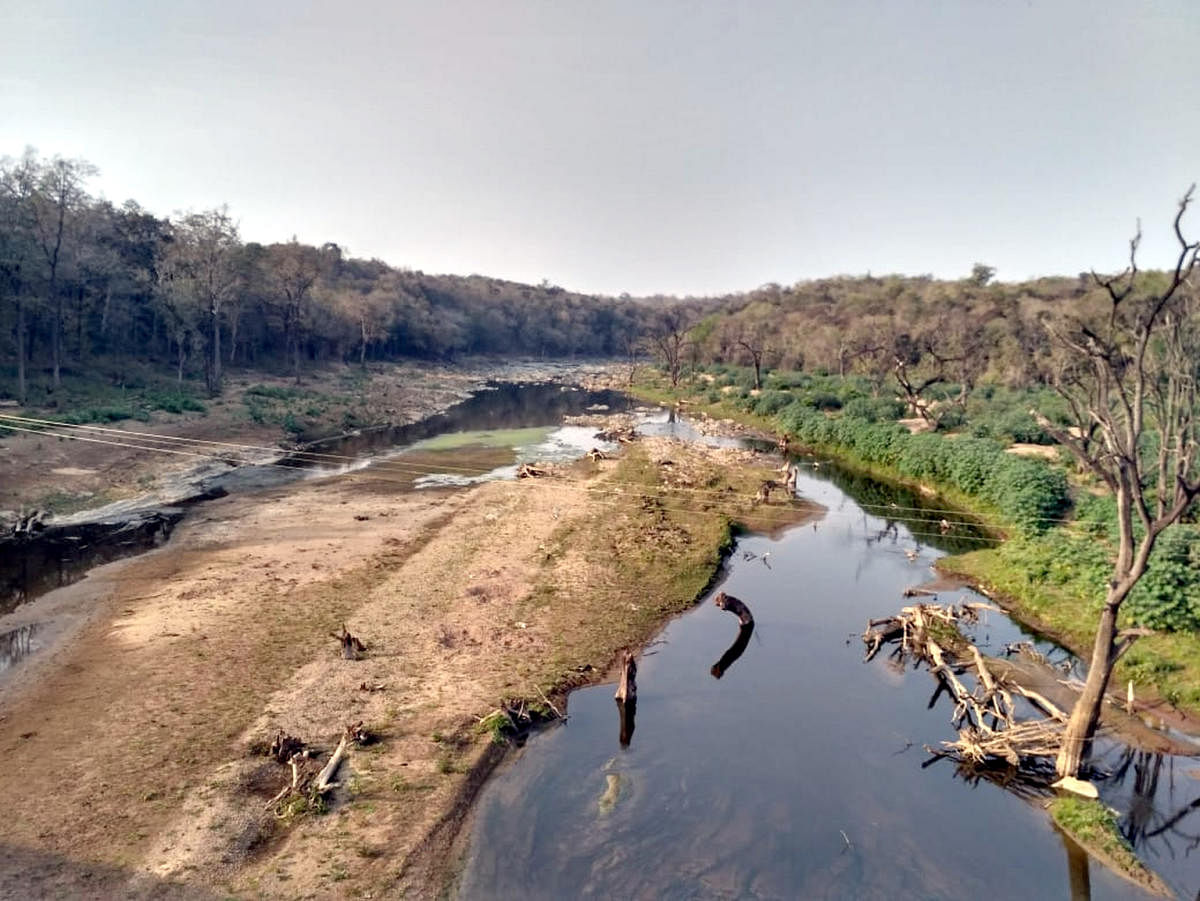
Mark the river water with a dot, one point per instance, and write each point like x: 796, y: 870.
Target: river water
x: 798, y: 773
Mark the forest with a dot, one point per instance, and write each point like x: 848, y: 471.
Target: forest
x: 96, y: 289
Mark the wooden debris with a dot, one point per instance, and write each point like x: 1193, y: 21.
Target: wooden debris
x: 304, y: 783
x: 596, y: 455
x: 618, y: 435
x: 916, y: 591
x: 324, y: 781
x: 984, y: 715
x: 526, y: 471
x: 284, y: 746
x: 352, y: 647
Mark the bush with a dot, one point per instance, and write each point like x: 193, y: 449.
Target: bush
x: 1168, y: 596
x: 874, y: 409
x: 1028, y: 493
x: 770, y: 402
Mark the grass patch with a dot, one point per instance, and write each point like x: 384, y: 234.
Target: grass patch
x: 1094, y: 827
x: 99, y: 397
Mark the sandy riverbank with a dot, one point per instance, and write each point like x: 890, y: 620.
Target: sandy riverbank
x: 131, y: 743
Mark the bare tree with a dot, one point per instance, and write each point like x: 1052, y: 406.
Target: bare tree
x: 1129, y: 376
x: 670, y: 339
x: 753, y: 340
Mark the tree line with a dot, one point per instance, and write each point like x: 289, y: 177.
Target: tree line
x: 89, y: 286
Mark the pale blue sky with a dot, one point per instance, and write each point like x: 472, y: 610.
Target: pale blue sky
x: 611, y: 146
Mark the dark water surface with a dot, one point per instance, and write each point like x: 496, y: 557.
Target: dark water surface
x: 798, y: 773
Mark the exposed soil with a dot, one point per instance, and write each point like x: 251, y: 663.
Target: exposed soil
x: 128, y: 747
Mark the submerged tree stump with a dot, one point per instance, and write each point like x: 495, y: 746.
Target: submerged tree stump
x: 734, y: 606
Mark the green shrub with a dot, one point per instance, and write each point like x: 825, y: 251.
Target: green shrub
x: 1168, y: 596
x: 1027, y: 492
x: 874, y: 409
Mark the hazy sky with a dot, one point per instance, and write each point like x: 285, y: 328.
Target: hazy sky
x: 638, y: 146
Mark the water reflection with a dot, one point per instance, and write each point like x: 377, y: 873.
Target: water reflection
x: 16, y: 644
x: 1079, y: 876
x: 1161, y: 806
x: 891, y: 506
x: 627, y: 714
x: 734, y: 651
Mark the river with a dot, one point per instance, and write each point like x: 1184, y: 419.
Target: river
x: 799, y: 773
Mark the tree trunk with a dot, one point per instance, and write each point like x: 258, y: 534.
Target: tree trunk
x: 214, y: 387
x: 56, y: 334
x: 1085, y: 716
x: 233, y: 330
x: 182, y: 355
x: 80, y: 331
x: 104, y: 314
x: 22, y: 388
x: 362, y: 353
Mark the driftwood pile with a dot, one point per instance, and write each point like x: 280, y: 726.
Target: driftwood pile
x: 985, y: 715
x: 307, y: 782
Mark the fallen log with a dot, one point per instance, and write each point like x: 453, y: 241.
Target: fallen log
x: 525, y: 471
x: 324, y: 780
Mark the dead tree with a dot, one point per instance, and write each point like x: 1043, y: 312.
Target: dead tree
x: 1130, y: 382
x: 670, y: 340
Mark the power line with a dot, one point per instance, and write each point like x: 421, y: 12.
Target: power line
x: 396, y: 465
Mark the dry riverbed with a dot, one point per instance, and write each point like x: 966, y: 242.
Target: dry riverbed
x: 129, y: 750
x: 61, y: 475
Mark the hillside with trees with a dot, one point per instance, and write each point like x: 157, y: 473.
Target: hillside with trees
x: 93, y: 288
